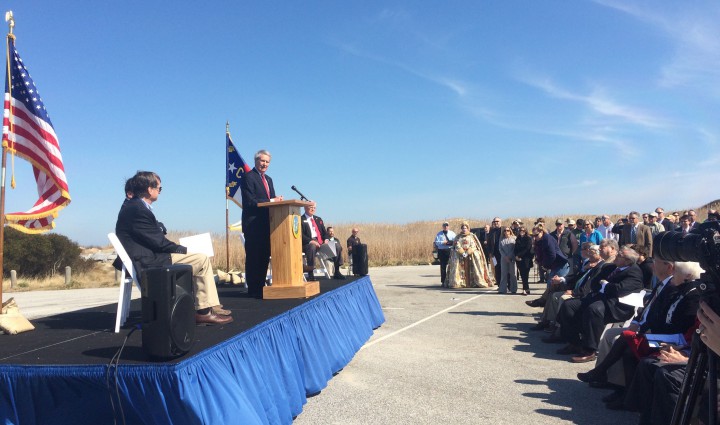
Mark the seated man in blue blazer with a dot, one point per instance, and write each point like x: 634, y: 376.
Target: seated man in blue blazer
x: 144, y: 239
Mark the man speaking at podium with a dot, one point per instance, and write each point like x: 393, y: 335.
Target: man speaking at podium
x: 257, y: 187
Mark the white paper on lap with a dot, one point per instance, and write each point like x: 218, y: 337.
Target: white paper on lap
x: 198, y: 244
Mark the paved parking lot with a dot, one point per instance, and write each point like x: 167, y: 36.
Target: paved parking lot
x: 456, y: 357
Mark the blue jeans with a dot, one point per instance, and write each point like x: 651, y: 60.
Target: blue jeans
x: 561, y: 271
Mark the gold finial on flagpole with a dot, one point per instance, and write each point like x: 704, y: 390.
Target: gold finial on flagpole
x: 10, y: 20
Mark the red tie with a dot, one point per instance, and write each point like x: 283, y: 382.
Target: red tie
x: 267, y: 188
x: 317, y: 231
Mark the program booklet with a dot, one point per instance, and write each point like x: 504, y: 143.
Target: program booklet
x: 198, y: 244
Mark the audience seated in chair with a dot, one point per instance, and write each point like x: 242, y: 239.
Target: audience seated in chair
x: 671, y: 310
x: 314, y: 235
x: 144, y: 239
x: 582, y: 321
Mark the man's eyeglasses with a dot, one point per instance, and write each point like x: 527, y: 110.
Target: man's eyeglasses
x: 159, y: 189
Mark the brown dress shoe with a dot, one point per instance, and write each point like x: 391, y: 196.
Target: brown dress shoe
x: 584, y: 357
x: 212, y: 319
x: 221, y: 311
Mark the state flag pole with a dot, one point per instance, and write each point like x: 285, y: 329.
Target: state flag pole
x: 227, y: 202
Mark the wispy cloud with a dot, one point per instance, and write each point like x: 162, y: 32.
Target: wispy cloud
x: 599, y: 102
x: 693, y: 31
x: 578, y: 185
x: 457, y: 86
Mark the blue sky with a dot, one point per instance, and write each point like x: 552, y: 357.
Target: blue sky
x: 391, y: 111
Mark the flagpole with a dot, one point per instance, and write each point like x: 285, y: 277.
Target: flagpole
x: 227, y: 202
x: 11, y: 24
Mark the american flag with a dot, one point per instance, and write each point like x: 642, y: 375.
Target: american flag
x: 28, y: 132
x: 236, y: 169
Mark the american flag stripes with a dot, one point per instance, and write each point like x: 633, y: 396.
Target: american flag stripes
x: 28, y: 132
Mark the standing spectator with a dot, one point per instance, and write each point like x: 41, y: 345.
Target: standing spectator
x: 597, y: 222
x: 693, y: 219
x: 713, y: 215
x: 494, y: 246
x: 653, y: 224
x: 605, y: 228
x: 684, y: 226
x: 553, y: 259
x: 484, y: 242
x: 523, y: 257
x: 667, y: 222
x: 573, y: 227
x: 353, y: 240
x: 590, y: 235
x: 444, y: 242
x: 515, y: 227
x: 645, y: 219
x: 566, y: 241
x: 636, y: 234
x: 468, y: 268
x: 507, y: 262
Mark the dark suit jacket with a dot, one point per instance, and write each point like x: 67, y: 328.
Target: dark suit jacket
x: 643, y: 237
x: 552, y: 257
x: 673, y: 311
x: 142, y: 236
x: 668, y: 225
x: 254, y: 218
x: 493, y: 241
x: 307, y: 234
x: 619, y: 284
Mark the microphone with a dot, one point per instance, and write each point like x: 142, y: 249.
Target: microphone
x: 302, y: 197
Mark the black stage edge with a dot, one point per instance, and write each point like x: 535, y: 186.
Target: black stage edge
x: 87, y: 337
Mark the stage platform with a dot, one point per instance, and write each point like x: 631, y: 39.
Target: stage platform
x: 257, y: 370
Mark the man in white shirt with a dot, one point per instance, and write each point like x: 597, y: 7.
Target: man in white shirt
x: 605, y: 228
x: 444, y: 242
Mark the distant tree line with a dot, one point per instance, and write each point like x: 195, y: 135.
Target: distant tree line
x: 40, y: 255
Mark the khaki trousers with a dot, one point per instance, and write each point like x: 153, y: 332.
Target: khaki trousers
x: 206, y: 294
x: 616, y: 373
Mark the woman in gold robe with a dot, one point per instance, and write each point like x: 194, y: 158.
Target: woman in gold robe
x: 467, y: 267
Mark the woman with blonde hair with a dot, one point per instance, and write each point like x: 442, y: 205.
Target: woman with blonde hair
x: 467, y: 267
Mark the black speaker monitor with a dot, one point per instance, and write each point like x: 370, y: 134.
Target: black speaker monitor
x: 360, y: 260
x: 168, y: 311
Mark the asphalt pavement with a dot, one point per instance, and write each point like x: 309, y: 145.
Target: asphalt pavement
x: 449, y: 356
x: 443, y: 356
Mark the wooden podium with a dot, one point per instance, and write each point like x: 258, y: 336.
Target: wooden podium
x: 286, y: 252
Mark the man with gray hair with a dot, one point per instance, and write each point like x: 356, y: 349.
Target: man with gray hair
x: 583, y: 321
x: 257, y: 187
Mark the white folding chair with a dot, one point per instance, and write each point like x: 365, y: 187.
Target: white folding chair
x: 128, y: 276
x: 323, y: 267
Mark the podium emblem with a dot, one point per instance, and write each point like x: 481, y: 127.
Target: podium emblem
x: 296, y: 226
